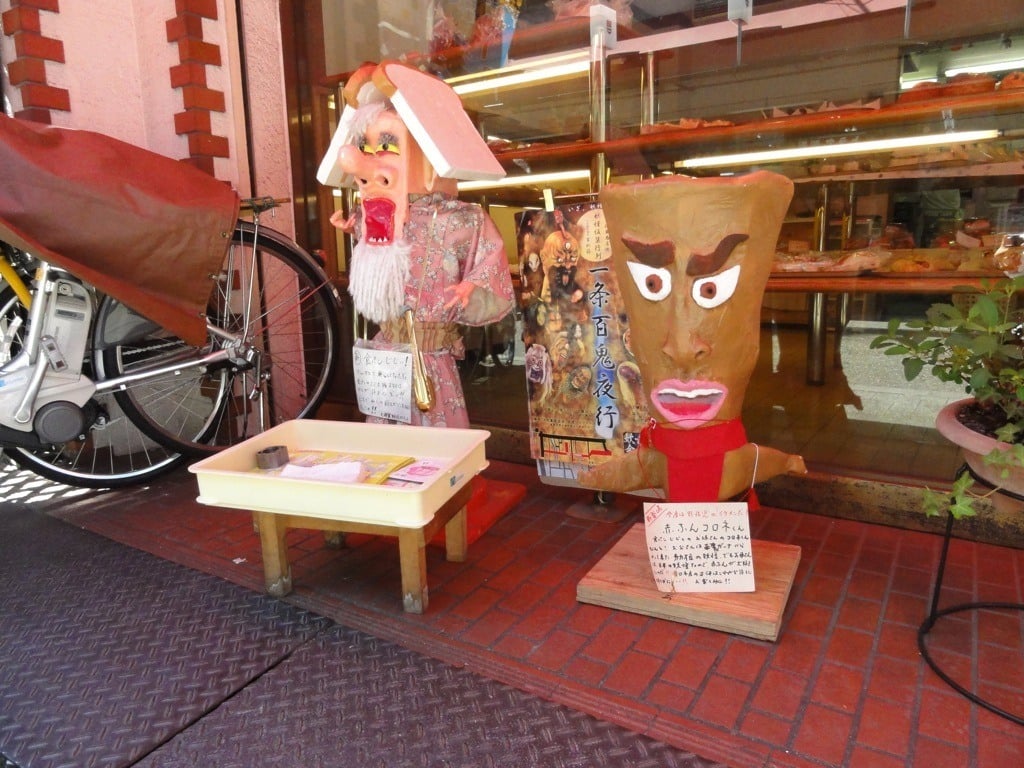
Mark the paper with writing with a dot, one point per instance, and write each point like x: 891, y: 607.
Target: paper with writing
x: 383, y: 380
x: 699, y: 547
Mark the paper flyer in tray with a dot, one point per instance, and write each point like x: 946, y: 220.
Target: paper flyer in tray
x: 420, y: 471
x: 343, y: 466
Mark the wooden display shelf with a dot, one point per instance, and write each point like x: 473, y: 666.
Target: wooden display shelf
x: 622, y: 580
x: 832, y: 122
x: 878, y: 282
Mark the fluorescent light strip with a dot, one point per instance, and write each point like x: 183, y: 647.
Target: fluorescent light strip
x: 996, y: 66
x: 525, y: 181
x: 834, y: 150
x: 523, y: 76
x: 906, y: 85
x: 520, y: 65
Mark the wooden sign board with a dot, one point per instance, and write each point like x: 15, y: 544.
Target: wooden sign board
x: 622, y: 580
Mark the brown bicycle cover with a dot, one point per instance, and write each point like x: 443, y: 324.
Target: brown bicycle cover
x: 146, y: 229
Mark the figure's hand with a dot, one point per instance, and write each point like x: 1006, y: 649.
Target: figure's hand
x: 795, y: 465
x: 460, y: 294
x: 347, y: 226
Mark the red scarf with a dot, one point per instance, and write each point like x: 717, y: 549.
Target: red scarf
x: 695, y: 457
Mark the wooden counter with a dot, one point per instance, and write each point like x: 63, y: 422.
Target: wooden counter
x: 878, y: 282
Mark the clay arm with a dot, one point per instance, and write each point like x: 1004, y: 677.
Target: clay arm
x: 738, y: 469
x: 346, y: 225
x: 485, y: 293
x: 636, y: 471
x: 647, y: 468
x: 460, y: 294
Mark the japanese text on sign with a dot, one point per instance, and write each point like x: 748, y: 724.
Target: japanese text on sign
x: 383, y: 380
x: 700, y: 547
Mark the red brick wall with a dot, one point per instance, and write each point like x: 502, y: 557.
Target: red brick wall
x: 27, y: 71
x: 32, y: 50
x: 186, y: 30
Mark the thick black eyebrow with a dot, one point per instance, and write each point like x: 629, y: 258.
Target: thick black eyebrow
x: 386, y: 137
x: 709, y: 263
x: 660, y: 254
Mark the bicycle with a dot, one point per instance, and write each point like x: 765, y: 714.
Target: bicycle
x: 115, y: 399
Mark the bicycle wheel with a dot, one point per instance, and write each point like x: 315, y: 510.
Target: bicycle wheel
x: 111, y: 453
x: 275, y: 314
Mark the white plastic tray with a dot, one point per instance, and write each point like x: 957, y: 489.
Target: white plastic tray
x: 230, y: 478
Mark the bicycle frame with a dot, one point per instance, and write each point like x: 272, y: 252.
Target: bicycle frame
x: 37, y: 303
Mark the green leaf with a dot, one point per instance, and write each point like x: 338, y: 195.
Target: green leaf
x: 980, y: 379
x: 944, y: 315
x: 962, y: 508
x: 897, y: 349
x: 932, y: 503
x: 912, y: 367
x: 963, y: 484
x: 985, y: 310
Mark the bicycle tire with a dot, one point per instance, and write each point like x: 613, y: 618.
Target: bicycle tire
x: 279, y: 301
x: 112, y: 453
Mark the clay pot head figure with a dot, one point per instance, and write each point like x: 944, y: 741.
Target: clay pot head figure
x: 692, y: 257
x: 402, y: 135
x: 385, y: 161
x: 424, y: 263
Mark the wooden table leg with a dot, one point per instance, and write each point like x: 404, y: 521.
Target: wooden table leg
x: 456, y: 537
x: 413, y: 557
x: 277, y: 574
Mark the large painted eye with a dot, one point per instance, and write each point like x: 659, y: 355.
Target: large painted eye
x: 653, y: 283
x: 388, y: 147
x: 366, y: 148
x: 710, y: 292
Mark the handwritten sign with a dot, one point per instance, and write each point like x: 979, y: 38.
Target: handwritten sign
x: 701, y: 547
x: 383, y: 381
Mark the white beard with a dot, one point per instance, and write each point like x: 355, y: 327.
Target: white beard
x: 377, y: 279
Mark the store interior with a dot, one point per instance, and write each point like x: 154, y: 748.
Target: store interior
x: 683, y: 86
x: 150, y: 626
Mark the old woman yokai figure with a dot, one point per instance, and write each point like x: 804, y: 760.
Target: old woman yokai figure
x: 693, y: 258
x: 423, y: 260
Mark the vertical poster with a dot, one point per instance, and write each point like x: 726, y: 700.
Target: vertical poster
x: 584, y: 390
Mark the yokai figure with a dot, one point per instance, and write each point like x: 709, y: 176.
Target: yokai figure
x: 538, y: 371
x: 559, y: 257
x: 402, y: 141
x: 693, y: 257
x: 531, y: 278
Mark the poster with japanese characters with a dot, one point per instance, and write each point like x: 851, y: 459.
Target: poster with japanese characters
x: 584, y: 389
x: 701, y: 547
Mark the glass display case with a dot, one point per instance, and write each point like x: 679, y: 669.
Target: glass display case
x: 900, y: 127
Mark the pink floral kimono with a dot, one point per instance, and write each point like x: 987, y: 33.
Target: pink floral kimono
x: 452, y: 241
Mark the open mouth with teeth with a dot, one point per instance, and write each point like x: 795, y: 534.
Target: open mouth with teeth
x: 379, y: 221
x: 689, y: 404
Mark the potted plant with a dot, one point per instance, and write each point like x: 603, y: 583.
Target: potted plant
x: 977, y: 341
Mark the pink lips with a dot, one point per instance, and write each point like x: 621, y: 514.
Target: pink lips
x: 379, y: 220
x: 689, y: 404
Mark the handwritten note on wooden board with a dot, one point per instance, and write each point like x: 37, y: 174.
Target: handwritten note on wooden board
x: 700, y: 547
x: 383, y: 380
